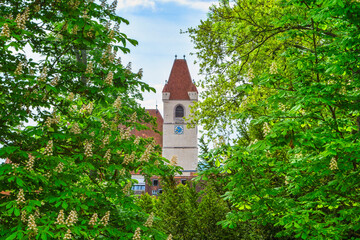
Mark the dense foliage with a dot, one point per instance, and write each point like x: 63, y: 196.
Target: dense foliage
x: 67, y: 111
x: 283, y: 77
x: 186, y: 213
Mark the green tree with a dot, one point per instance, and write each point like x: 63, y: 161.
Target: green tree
x: 211, y: 210
x: 147, y: 203
x: 173, y: 209
x: 214, y: 208
x: 61, y: 75
x: 187, y: 214
x: 285, y: 76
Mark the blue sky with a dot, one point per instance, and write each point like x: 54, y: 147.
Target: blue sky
x: 156, y: 25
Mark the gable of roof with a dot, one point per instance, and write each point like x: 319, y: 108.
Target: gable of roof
x: 150, y: 133
x: 180, y: 82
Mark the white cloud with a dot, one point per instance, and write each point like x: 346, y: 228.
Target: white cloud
x: 123, y: 4
x: 194, y: 4
x: 199, y: 5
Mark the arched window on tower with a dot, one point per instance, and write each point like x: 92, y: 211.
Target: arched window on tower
x: 179, y: 112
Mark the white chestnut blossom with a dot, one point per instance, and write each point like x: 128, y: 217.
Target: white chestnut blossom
x: 59, y: 168
x: 75, y: 129
x: 71, y: 96
x: 72, y: 218
x: 109, y: 78
x: 60, y: 218
x: 68, y: 234
x: 150, y: 220
x: 43, y: 74
x: 88, y: 148
x: 105, y: 219
x: 173, y: 160
x: 89, y: 68
x: 273, y: 68
x: 20, y: 197
x: 93, y: 219
x: 31, y: 223
x: 333, y: 164
x: 49, y: 148
x: 19, y: 69
x: 137, y: 234
x: 250, y: 74
x: 22, y: 18
x: 107, y: 156
x: 5, y: 31
x: 127, y: 188
x: 117, y: 103
x: 30, y: 162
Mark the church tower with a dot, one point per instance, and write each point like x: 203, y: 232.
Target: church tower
x: 178, y: 95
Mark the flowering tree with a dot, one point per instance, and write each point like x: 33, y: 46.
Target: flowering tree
x: 285, y: 75
x: 67, y: 108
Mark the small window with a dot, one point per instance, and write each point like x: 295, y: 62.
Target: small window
x: 183, y: 181
x: 154, y: 192
x: 155, y: 182
x: 160, y: 191
x: 179, y: 112
x: 138, y: 188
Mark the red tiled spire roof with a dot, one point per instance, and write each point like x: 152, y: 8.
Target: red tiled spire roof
x: 151, y: 133
x: 179, y: 83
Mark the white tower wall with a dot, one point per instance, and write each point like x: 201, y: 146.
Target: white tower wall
x: 180, y: 91
x: 184, y: 146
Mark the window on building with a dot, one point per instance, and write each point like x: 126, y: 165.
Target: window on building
x: 183, y: 181
x: 155, y: 182
x: 179, y: 112
x: 138, y: 188
x: 154, y: 192
x: 160, y: 191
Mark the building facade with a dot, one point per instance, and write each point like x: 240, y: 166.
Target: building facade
x: 178, y: 139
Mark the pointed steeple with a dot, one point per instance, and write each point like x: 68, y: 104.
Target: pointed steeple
x: 180, y: 83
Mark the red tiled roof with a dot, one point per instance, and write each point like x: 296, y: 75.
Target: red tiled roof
x: 7, y: 161
x: 179, y: 83
x: 5, y: 193
x: 151, y: 133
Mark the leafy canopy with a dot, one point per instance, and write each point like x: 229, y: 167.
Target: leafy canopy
x: 285, y: 76
x: 67, y: 113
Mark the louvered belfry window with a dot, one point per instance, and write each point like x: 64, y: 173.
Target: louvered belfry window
x: 179, y: 112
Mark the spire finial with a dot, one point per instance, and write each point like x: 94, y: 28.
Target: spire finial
x: 165, y: 81
x: 184, y: 56
x: 156, y: 106
x: 175, y: 56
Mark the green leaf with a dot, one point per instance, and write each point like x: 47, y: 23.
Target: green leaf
x: 17, y: 212
x: 12, y: 236
x: 19, y: 182
x: 217, y: 163
x: 64, y: 205
x: 44, y: 236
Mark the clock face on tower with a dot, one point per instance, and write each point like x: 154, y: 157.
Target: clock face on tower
x: 179, y: 129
